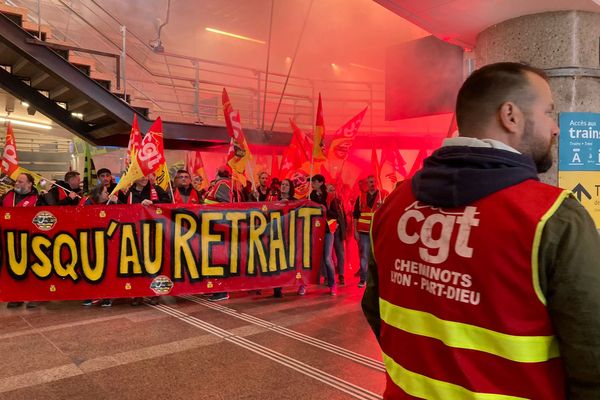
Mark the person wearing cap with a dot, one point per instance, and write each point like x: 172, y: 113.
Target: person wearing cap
x: 105, y: 177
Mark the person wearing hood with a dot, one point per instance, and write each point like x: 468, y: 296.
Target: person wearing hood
x: 484, y: 281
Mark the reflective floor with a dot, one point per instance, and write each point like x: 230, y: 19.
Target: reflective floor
x: 248, y: 347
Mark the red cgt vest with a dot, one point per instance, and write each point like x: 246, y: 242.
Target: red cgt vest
x: 9, y: 200
x: 463, y: 316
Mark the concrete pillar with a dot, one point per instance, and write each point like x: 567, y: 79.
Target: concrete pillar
x: 565, y: 44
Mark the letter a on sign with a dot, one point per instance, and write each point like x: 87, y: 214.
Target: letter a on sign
x: 576, y: 158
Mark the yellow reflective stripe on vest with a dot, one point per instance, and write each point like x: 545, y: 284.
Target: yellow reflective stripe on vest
x: 527, y: 349
x: 423, y: 387
x: 535, y: 251
x: 207, y: 201
x: 367, y: 214
x: 366, y: 221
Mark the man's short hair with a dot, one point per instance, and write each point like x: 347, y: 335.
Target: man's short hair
x: 29, y: 177
x: 182, y: 171
x: 71, y: 174
x: 103, y: 171
x: 482, y: 94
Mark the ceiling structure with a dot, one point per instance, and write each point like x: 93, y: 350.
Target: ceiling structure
x: 336, y: 42
x: 460, y: 21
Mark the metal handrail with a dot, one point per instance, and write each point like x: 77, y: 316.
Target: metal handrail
x: 302, y: 88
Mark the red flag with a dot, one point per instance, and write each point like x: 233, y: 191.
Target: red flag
x: 135, y: 141
x: 376, y: 167
x: 10, y: 160
x: 319, y: 135
x: 392, y: 166
x: 152, y: 153
x: 195, y: 166
x: 297, y: 153
x: 148, y: 159
x: 344, y: 137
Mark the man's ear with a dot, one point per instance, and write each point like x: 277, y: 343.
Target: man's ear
x: 510, y: 116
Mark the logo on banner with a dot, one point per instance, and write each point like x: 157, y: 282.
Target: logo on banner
x: 161, y: 285
x: 44, y: 220
x: 150, y: 155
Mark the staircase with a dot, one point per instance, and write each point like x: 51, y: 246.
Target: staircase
x: 58, y: 80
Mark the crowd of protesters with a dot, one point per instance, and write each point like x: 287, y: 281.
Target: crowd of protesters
x: 189, y: 190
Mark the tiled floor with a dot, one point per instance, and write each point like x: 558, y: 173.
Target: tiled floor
x: 249, y: 347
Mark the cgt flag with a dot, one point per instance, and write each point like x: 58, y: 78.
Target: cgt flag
x: 147, y: 160
x: 297, y: 153
x: 344, y: 137
x: 10, y: 159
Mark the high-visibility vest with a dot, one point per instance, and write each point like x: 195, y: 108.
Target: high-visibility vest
x: 211, y: 196
x: 366, y: 212
x: 462, y: 312
x: 10, y: 198
x: 192, y: 199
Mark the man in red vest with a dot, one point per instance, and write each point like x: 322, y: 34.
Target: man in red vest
x: 486, y: 280
x: 366, y: 204
x: 184, y: 192
x: 22, y: 195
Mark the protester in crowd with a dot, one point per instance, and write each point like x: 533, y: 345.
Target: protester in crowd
x: 485, y: 283
x: 99, y: 195
x: 286, y: 194
x: 364, y: 208
x: 145, y: 193
x: 184, y: 192
x: 107, y: 179
x: 362, y: 188
x: 275, y: 188
x: 319, y: 195
x: 336, y: 208
x: 221, y: 192
x: 197, y: 183
x: 22, y: 195
x: 262, y: 191
x: 65, y: 193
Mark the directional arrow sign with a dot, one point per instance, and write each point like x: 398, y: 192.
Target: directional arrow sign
x: 579, y: 190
